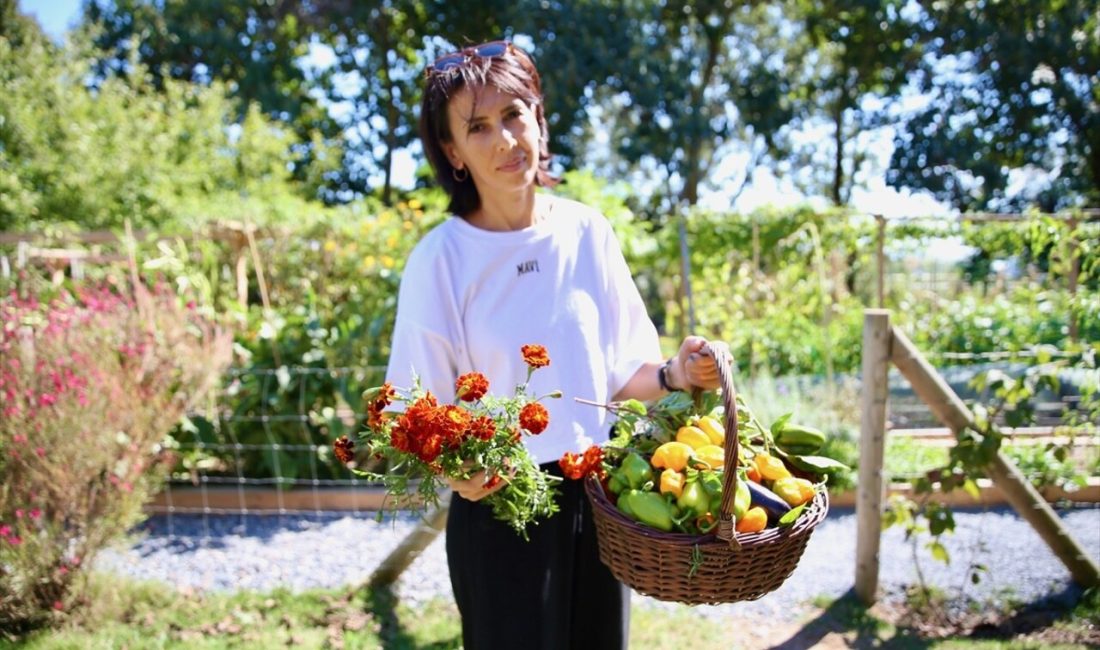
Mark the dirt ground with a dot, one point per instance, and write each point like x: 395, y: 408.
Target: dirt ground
x: 833, y: 630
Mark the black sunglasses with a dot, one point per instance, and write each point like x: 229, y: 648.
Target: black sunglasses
x: 455, y: 59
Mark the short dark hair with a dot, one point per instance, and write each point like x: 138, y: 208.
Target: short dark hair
x: 512, y: 72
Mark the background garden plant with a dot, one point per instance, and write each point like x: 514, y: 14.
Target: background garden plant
x: 93, y: 380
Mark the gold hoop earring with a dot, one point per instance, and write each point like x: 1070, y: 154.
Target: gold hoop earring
x: 463, y: 177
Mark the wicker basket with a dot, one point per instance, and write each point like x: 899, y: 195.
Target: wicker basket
x: 721, y: 567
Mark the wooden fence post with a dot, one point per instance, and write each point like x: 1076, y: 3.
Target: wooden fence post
x: 872, y: 445
x: 953, y: 413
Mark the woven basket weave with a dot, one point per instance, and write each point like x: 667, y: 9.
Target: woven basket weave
x: 720, y: 567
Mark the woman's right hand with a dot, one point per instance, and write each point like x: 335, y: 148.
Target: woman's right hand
x: 477, y: 487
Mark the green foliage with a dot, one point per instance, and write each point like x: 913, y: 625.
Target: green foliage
x: 252, y: 49
x: 776, y: 285
x: 171, y: 158
x: 675, y: 86
x: 323, y: 339
x: 856, y: 51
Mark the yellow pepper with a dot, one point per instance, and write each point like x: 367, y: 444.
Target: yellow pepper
x: 795, y: 491
x: 671, y: 455
x: 713, y: 455
x: 714, y: 430
x: 770, y: 467
x: 693, y: 437
x: 672, y: 482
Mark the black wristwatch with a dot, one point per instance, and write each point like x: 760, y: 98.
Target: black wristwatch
x: 662, y: 377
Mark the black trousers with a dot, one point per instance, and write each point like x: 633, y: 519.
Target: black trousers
x: 551, y: 592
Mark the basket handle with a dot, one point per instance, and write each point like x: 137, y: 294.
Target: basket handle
x: 723, y: 360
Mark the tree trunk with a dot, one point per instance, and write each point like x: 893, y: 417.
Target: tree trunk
x: 391, y: 114
x: 838, y: 163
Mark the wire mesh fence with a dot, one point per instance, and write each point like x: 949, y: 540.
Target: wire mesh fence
x: 263, y: 446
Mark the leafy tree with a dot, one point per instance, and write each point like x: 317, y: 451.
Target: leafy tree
x: 375, y: 82
x: 667, y: 103
x: 166, y: 158
x: 858, y: 49
x: 15, y: 27
x: 255, y: 48
x: 1012, y: 95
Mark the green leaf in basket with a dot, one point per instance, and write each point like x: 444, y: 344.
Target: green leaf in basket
x: 632, y: 406
x: 817, y: 464
x: 792, y: 515
x: 696, y: 560
x: 778, y: 425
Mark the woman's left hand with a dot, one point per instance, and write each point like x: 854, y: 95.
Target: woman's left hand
x: 694, y: 368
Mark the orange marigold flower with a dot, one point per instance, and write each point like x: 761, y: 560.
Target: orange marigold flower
x: 535, y: 356
x: 400, y: 440
x: 483, y: 428
x: 430, y: 448
x: 471, y: 387
x: 453, y: 422
x: 385, y: 396
x: 577, y: 466
x: 534, y: 417
x: 375, y: 416
x: 377, y: 420
x: 572, y: 466
x: 593, y: 460
x: 344, y: 449
x: 415, y: 425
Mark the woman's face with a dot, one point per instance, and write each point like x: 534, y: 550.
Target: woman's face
x: 495, y: 137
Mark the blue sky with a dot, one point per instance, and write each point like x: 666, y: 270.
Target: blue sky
x: 55, y: 16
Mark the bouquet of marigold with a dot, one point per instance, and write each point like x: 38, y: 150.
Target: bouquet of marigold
x: 429, y: 442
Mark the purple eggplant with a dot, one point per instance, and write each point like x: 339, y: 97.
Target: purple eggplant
x: 768, y: 500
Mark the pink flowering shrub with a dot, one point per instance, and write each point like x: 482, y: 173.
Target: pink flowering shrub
x: 91, y: 382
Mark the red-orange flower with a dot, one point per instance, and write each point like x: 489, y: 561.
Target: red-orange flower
x: 385, y: 396
x: 344, y: 449
x: 483, y: 428
x: 415, y: 426
x: 577, y: 466
x: 593, y: 460
x: 430, y: 448
x: 572, y: 466
x: 471, y: 387
x: 453, y: 422
x: 375, y: 417
x: 535, y: 356
x: 534, y: 417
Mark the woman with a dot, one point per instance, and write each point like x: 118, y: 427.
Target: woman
x: 516, y: 266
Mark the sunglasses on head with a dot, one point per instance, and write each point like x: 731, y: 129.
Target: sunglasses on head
x: 456, y: 59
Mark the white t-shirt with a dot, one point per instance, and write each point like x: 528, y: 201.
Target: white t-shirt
x: 471, y: 298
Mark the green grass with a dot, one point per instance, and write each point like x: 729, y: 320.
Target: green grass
x: 125, y: 614
x: 907, y: 457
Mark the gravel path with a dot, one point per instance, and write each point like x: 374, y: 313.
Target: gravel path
x: 330, y: 550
